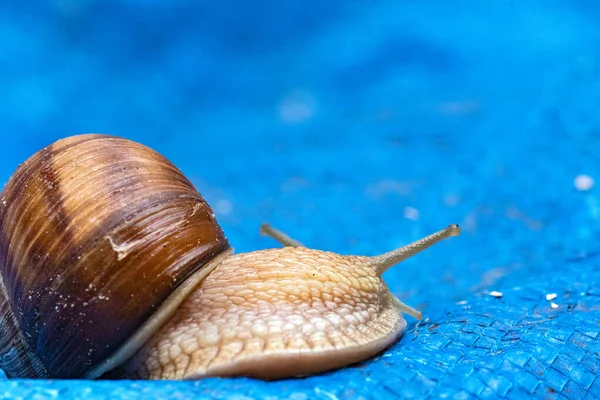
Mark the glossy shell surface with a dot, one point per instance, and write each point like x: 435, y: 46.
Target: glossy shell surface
x: 96, y: 232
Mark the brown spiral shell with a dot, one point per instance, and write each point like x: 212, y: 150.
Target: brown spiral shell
x: 96, y: 232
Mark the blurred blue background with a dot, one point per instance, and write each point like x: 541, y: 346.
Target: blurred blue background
x: 356, y: 127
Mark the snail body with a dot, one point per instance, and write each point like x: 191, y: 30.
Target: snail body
x: 112, y: 264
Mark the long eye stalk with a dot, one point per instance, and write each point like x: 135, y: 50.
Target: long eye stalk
x: 384, y: 261
x: 282, y: 238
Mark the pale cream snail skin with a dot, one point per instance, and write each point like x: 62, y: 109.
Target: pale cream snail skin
x: 112, y: 265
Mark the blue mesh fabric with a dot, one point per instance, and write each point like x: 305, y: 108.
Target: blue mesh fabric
x: 356, y: 127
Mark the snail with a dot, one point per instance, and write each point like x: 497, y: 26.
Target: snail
x: 113, y: 265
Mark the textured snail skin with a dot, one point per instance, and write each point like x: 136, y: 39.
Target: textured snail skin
x: 272, y: 314
x: 96, y: 232
x: 112, y: 265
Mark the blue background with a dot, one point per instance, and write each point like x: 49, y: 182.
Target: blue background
x: 356, y: 127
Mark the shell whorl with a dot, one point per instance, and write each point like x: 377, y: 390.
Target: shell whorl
x: 96, y: 232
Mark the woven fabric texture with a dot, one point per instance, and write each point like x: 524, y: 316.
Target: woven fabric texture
x: 356, y: 127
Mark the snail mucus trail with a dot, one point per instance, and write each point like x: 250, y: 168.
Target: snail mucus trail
x: 113, y: 265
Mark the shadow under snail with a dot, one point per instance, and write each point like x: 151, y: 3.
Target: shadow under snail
x: 113, y: 265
